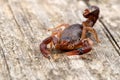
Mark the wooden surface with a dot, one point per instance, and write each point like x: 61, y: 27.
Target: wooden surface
x: 24, y: 24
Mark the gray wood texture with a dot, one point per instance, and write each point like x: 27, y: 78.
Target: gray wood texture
x: 24, y: 24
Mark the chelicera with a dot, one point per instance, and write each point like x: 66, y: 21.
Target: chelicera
x: 72, y: 39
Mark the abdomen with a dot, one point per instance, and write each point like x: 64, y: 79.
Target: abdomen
x: 72, y: 33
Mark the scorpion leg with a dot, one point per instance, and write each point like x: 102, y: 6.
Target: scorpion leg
x: 87, y: 28
x: 93, y: 31
x: 83, y: 36
x: 86, y: 47
x: 59, y: 26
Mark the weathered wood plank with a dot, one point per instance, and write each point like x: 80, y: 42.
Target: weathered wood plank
x: 26, y: 22
x: 10, y: 34
x: 25, y: 53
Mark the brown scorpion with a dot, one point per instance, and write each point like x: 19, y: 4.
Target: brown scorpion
x: 73, y: 38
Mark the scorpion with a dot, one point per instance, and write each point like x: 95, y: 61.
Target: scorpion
x: 73, y: 38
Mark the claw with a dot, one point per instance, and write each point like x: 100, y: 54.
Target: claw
x: 86, y: 47
x: 46, y: 55
x: 43, y: 47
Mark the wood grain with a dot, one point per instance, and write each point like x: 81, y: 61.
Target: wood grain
x: 24, y: 24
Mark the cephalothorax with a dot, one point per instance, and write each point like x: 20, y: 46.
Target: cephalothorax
x: 72, y: 38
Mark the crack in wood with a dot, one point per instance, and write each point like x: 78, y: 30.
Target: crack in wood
x: 27, y: 19
x: 6, y: 63
x: 15, y: 20
x: 113, y: 41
